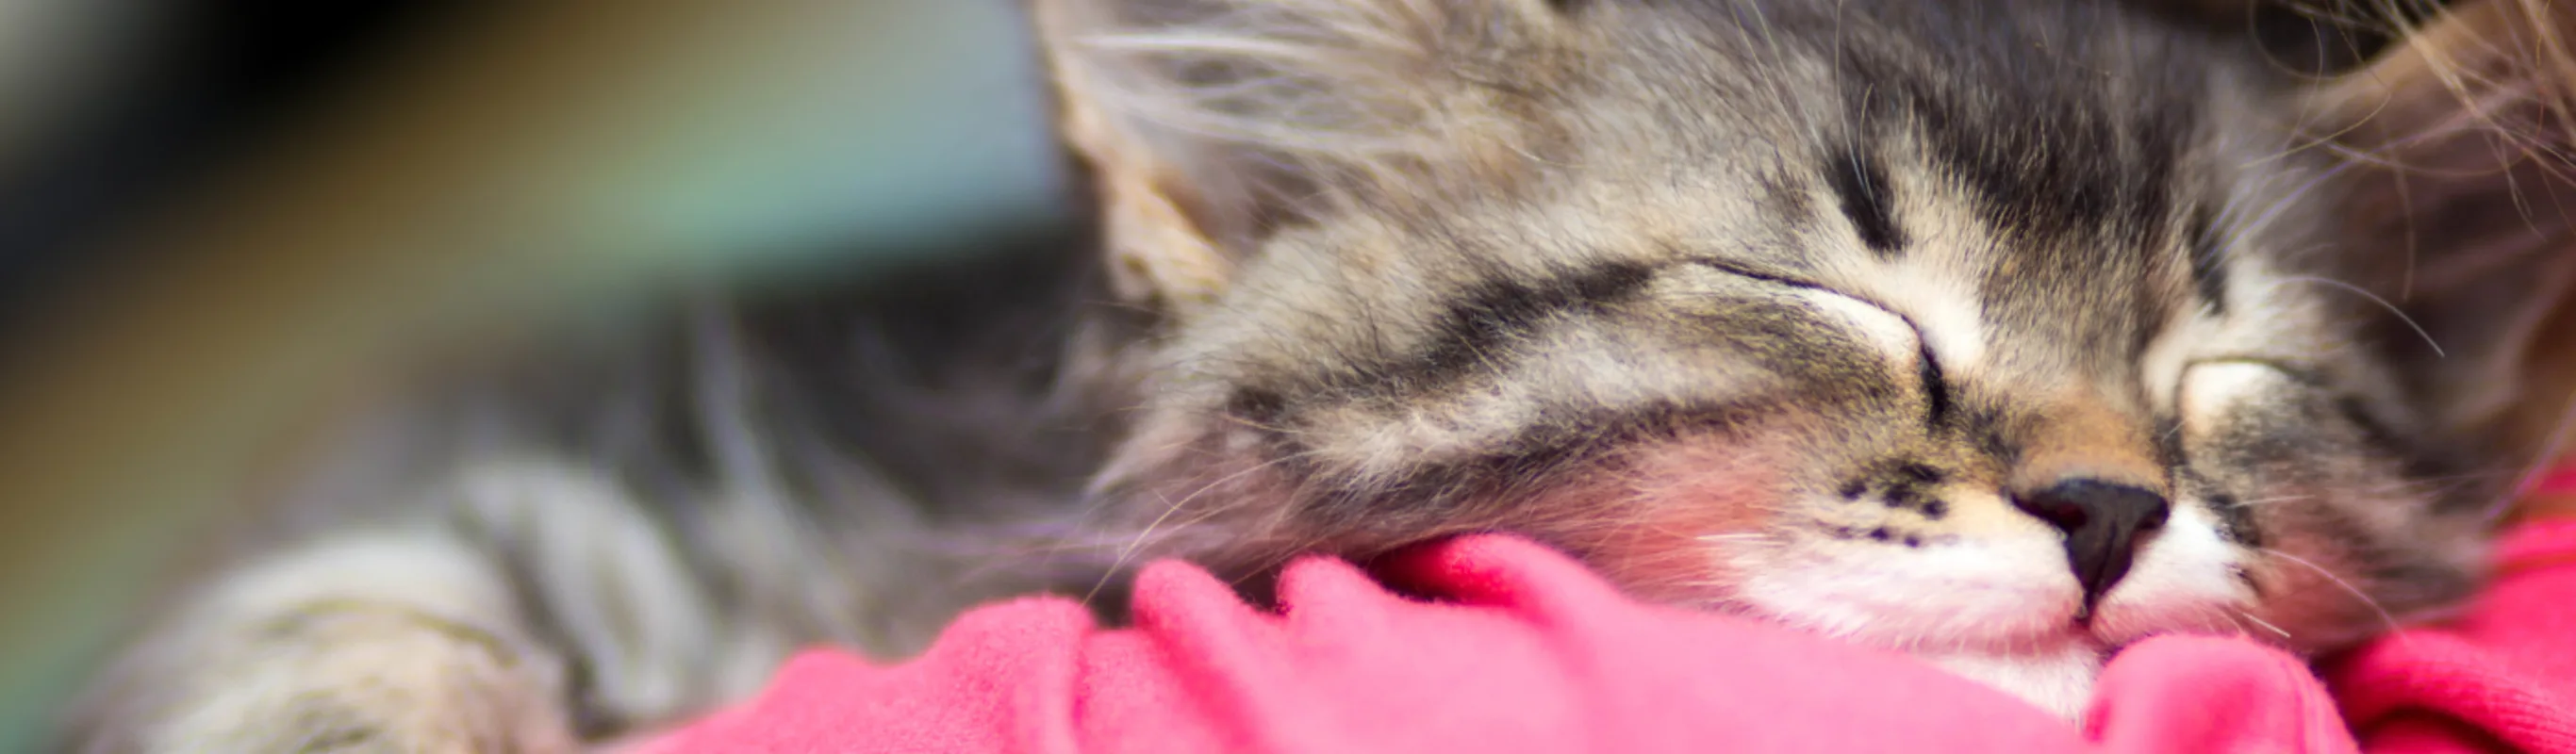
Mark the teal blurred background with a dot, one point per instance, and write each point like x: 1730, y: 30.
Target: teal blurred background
x: 474, y: 171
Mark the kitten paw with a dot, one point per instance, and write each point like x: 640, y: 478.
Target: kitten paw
x: 366, y: 677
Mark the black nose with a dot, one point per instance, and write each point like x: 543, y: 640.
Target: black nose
x: 2103, y: 522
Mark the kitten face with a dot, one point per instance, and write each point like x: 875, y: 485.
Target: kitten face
x: 2003, y: 333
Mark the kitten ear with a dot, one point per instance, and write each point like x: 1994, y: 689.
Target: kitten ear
x: 1205, y: 124
x: 2457, y: 195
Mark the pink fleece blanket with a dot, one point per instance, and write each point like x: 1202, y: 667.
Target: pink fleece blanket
x: 1525, y: 651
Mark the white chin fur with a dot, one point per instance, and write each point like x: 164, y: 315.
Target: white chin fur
x: 2059, y: 679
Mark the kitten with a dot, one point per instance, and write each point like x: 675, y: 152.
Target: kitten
x: 2002, y: 332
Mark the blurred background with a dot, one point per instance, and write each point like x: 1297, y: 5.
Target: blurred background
x: 220, y: 218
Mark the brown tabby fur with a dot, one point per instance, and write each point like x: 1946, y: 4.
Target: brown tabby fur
x: 1799, y: 309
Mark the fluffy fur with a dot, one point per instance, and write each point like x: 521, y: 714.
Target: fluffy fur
x: 1807, y: 310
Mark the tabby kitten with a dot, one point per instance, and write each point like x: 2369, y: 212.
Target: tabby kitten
x: 2001, y: 332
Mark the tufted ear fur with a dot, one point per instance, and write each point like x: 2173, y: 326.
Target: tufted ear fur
x: 2457, y: 193
x: 1207, y: 124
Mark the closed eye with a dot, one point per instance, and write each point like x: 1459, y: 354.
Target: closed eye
x: 2347, y: 406
x: 2303, y: 375
x: 1936, y: 386
x: 1927, y: 365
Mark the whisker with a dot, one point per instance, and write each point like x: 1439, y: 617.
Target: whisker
x: 2266, y: 625
x: 2383, y: 303
x: 1732, y: 537
x: 1137, y: 543
x: 2357, y: 593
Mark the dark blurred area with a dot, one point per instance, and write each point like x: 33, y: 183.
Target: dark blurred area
x: 220, y: 220
x: 175, y: 87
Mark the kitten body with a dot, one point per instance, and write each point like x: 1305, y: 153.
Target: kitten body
x: 2003, y: 332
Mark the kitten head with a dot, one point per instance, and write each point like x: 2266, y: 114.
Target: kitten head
x: 2001, y: 331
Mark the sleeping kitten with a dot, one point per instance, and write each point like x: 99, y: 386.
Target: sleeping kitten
x: 2001, y: 332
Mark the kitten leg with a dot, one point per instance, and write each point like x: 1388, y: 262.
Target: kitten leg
x: 460, y: 631
x: 388, y: 641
